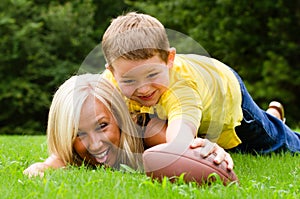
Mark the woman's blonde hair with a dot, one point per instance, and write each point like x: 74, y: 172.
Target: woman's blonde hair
x: 135, y: 36
x: 64, y: 116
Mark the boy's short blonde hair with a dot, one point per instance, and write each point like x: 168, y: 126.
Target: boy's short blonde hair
x: 135, y: 36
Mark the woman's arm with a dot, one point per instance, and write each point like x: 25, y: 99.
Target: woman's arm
x: 155, y: 132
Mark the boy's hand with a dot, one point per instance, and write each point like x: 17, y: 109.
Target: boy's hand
x: 209, y: 148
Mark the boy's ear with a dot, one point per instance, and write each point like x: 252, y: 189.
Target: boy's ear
x: 171, y: 57
x: 109, y: 67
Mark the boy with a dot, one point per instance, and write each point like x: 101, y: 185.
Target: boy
x: 198, y: 96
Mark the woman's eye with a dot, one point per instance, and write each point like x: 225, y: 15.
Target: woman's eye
x: 101, y: 126
x: 80, y: 134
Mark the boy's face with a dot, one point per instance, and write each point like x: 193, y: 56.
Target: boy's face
x: 143, y: 81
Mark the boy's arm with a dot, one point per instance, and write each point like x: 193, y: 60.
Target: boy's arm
x: 185, y: 132
x: 181, y: 130
x: 38, y: 168
x: 156, y: 132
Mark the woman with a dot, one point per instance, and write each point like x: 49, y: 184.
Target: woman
x: 89, y: 121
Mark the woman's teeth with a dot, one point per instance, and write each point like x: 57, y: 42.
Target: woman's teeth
x: 101, y: 155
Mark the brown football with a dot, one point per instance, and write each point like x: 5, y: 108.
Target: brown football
x: 171, y: 161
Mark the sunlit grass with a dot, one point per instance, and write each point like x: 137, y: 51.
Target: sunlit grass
x: 274, y: 176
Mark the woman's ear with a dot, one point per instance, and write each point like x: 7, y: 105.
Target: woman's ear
x: 171, y: 57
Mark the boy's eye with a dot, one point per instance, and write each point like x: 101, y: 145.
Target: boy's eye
x: 129, y: 81
x: 152, y: 75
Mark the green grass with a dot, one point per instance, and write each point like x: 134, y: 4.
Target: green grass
x: 274, y: 176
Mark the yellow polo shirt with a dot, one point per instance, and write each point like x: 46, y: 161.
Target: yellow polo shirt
x: 203, y: 91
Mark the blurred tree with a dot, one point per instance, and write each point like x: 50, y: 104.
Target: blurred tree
x: 105, y: 11
x: 259, y: 39
x: 41, y: 44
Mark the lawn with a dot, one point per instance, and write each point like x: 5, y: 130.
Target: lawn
x: 273, y: 176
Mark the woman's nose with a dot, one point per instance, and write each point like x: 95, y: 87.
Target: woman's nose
x: 95, y: 142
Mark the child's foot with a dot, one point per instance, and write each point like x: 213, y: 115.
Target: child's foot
x: 276, y: 109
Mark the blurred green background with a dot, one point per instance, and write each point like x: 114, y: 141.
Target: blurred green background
x: 42, y: 43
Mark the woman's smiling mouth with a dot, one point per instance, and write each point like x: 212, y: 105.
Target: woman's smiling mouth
x: 101, y: 157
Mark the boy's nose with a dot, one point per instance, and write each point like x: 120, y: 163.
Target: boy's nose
x: 143, y: 89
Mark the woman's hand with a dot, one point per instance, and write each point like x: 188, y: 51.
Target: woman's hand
x: 209, y: 148
x: 38, y: 169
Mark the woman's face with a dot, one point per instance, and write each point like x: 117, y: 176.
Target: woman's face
x: 98, y: 132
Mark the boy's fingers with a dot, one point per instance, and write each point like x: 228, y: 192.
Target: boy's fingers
x: 198, y: 142
x: 222, y: 155
x: 229, y: 161
x: 205, y: 146
x: 208, y: 149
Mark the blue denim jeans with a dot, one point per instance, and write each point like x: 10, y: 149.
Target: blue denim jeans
x: 261, y: 132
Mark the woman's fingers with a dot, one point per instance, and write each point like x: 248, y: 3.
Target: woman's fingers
x: 36, y: 169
